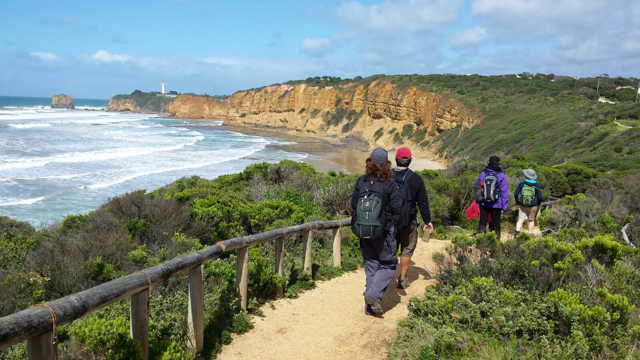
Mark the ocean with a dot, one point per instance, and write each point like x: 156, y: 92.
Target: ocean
x: 58, y: 162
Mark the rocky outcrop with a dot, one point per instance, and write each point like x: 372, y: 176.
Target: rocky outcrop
x: 379, y: 112
x: 62, y: 101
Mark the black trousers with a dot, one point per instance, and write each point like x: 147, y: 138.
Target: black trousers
x: 494, y: 224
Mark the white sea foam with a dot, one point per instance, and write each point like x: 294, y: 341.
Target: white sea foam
x: 15, y: 202
x: 29, y: 126
x: 91, y: 156
x: 90, y: 108
x: 50, y: 177
x: 212, y: 154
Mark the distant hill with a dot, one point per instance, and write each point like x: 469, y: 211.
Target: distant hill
x: 545, y: 118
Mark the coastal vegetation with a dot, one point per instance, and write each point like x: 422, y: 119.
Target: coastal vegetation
x: 571, y: 293
x: 556, y: 295
x: 140, y: 229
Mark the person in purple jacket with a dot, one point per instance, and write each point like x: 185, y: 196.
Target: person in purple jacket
x: 491, y: 211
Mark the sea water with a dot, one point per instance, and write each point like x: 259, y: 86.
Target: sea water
x: 57, y: 162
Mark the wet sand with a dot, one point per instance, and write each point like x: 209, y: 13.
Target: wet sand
x: 329, y: 153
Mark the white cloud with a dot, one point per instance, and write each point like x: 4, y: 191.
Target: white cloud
x: 316, y: 46
x: 470, y: 36
x: 45, y: 56
x: 107, y: 57
x: 400, y: 14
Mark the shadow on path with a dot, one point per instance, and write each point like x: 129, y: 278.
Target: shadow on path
x: 392, y: 296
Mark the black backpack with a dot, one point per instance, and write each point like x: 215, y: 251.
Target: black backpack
x: 369, y: 217
x: 403, y: 186
x: 487, y: 191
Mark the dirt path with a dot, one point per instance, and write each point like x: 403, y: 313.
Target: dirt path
x: 328, y: 322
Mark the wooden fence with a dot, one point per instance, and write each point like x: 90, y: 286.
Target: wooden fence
x: 37, y: 324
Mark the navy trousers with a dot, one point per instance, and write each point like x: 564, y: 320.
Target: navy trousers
x: 380, y: 262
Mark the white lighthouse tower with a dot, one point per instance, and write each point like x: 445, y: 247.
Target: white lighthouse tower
x: 163, y: 89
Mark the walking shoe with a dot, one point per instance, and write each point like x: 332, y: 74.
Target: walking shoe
x: 403, y: 283
x: 374, y: 305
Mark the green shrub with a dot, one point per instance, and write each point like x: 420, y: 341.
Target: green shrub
x: 106, y: 339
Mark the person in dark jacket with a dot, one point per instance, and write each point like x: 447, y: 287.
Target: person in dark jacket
x: 417, y: 199
x: 528, y: 201
x: 493, y: 209
x: 379, y: 253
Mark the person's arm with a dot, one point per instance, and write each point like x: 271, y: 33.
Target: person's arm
x: 504, y: 192
x: 354, y: 200
x: 516, y: 194
x: 539, y: 195
x: 422, y: 199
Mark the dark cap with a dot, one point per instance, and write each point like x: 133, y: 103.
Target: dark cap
x: 379, y: 156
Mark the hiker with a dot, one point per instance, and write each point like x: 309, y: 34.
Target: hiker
x: 492, y: 193
x: 414, y: 196
x: 528, y: 196
x: 375, y: 204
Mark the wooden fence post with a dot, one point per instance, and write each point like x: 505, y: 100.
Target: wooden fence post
x: 195, y: 318
x: 337, y: 249
x: 42, y: 347
x: 308, y: 242
x: 242, y: 275
x: 139, y: 323
x: 279, y: 247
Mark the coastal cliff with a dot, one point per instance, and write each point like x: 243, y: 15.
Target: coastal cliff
x: 380, y: 112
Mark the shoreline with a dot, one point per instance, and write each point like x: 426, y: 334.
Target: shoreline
x: 329, y: 153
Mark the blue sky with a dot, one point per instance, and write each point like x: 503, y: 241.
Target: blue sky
x: 97, y: 49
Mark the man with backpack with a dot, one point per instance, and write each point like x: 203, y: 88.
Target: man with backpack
x: 375, y: 205
x: 414, y: 196
x: 492, y: 193
x: 528, y: 196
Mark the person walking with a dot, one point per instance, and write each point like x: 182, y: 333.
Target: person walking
x: 528, y: 196
x: 375, y: 205
x: 415, y: 197
x: 492, y: 193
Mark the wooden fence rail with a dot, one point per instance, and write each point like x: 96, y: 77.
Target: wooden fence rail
x: 38, y: 323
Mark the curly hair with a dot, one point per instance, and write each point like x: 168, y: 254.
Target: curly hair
x: 381, y: 171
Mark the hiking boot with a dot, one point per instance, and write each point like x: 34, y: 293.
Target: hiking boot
x: 403, y: 283
x: 374, y: 306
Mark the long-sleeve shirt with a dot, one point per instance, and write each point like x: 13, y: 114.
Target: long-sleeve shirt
x: 418, y: 197
x: 503, y: 189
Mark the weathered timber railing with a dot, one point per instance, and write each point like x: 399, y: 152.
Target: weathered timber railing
x: 37, y: 324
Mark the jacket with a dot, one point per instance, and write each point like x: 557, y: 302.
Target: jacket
x: 418, y: 198
x: 503, y: 189
x: 391, y: 201
x: 534, y: 183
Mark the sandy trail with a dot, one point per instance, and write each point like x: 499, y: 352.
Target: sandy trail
x: 328, y: 322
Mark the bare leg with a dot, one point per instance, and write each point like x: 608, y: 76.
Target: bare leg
x: 531, y: 226
x: 519, y: 224
x: 404, y: 266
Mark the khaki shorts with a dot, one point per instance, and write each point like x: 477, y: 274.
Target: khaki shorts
x: 408, y: 239
x: 527, y: 213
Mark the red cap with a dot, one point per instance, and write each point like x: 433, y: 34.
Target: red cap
x: 403, y: 153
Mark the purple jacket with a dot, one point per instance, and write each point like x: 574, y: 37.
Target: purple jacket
x: 503, y: 189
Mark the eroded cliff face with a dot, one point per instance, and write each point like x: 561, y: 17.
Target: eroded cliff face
x: 123, y: 104
x: 379, y: 113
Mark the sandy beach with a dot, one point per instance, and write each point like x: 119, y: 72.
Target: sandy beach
x: 330, y: 153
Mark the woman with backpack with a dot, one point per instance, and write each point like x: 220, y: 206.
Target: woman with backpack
x: 528, y: 196
x: 492, y: 193
x: 376, y: 204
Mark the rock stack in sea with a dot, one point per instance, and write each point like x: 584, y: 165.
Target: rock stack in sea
x: 62, y: 101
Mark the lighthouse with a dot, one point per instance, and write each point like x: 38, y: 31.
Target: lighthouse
x: 163, y: 89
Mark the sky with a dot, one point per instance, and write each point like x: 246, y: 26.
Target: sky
x: 95, y: 49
